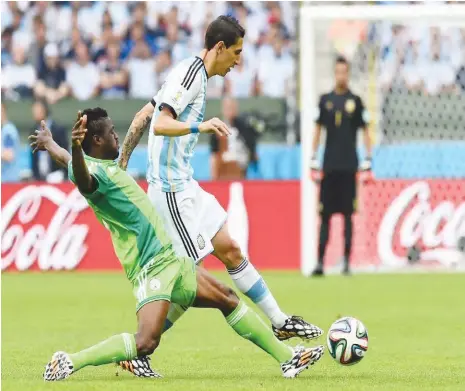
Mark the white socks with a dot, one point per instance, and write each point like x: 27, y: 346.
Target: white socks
x: 249, y: 282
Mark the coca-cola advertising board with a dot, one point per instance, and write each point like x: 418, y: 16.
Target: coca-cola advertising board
x: 50, y: 227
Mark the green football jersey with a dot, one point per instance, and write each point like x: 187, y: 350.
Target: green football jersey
x: 125, y: 210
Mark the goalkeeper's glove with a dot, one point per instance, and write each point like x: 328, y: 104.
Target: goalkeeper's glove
x: 366, y: 165
x: 315, y: 169
x: 365, y: 174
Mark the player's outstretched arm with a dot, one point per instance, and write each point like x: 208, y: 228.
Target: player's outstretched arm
x: 84, y: 181
x: 166, y: 125
x: 42, y: 140
x: 135, y: 132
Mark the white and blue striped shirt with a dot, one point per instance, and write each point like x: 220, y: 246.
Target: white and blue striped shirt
x: 184, y: 93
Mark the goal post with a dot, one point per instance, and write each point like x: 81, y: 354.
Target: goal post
x: 315, y: 19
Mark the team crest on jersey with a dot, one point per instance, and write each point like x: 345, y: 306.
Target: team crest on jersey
x: 350, y: 106
x: 177, y: 96
x: 329, y: 105
x: 154, y: 284
x: 201, y: 242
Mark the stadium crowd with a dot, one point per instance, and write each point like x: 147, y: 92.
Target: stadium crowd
x: 418, y: 56
x: 56, y: 50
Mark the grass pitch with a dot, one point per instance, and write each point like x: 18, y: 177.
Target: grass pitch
x: 416, y: 328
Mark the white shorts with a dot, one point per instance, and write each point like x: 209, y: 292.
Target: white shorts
x: 192, y: 217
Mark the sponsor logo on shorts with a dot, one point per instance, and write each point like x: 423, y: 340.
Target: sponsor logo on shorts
x: 154, y: 284
x: 201, y: 242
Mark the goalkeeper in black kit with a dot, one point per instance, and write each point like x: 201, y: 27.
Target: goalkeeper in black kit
x: 341, y: 113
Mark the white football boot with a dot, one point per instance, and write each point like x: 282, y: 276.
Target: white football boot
x: 302, y: 359
x: 59, y: 367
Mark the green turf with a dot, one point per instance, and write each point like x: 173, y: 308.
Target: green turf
x: 416, y: 326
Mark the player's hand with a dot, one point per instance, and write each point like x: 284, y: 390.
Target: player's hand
x: 214, y: 125
x: 315, y: 169
x: 40, y: 138
x: 366, y: 165
x: 79, y: 130
x: 365, y: 174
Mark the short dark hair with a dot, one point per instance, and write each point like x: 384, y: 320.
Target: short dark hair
x: 224, y: 28
x: 342, y: 60
x: 95, y: 118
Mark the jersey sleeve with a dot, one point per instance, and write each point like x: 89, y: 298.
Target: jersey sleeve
x: 98, y: 173
x: 363, y: 117
x: 181, y: 89
x: 319, y: 111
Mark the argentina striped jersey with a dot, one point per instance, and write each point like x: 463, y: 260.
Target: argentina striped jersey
x: 184, y: 94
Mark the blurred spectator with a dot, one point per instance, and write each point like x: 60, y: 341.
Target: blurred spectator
x: 164, y: 64
x: 51, y: 85
x: 7, y: 37
x: 232, y: 155
x: 82, y: 75
x: 100, y: 43
x: 141, y: 67
x: 240, y: 82
x: 175, y: 41
x: 139, y: 12
x: 68, y: 47
x: 113, y: 78
x: 275, y: 73
x: 10, y: 150
x: 137, y: 32
x: 18, y: 77
x: 21, y: 35
x: 410, y: 71
x: 6, y: 8
x: 119, y: 13
x: 88, y: 18
x: 437, y: 73
x: 171, y: 30
x: 47, y: 13
x: 36, y: 49
x: 43, y: 167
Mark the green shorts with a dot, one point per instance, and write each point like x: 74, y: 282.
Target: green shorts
x: 172, y: 279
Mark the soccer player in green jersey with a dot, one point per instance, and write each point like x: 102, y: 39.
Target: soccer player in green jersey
x: 158, y: 276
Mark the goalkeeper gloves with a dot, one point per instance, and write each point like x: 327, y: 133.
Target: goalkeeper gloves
x: 366, y: 165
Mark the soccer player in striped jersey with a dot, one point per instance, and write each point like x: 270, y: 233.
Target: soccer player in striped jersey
x: 146, y: 253
x: 193, y: 218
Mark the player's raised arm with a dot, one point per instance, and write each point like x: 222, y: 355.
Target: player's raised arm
x: 84, y: 181
x: 42, y: 140
x: 135, y: 132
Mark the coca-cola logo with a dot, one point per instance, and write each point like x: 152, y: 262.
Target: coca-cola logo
x: 437, y: 228
x: 58, y: 243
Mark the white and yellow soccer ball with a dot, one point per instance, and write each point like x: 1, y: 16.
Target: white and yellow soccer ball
x: 347, y: 341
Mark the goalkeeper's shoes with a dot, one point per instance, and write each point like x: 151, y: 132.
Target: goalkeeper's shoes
x: 295, y: 326
x: 59, y: 367
x: 139, y: 367
x: 302, y: 359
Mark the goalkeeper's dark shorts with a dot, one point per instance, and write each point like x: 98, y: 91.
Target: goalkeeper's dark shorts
x: 338, y: 193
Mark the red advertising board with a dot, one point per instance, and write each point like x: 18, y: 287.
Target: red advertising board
x: 50, y: 227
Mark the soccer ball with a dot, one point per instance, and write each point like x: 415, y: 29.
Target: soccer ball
x: 347, y: 341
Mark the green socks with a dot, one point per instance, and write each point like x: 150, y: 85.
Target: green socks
x: 250, y: 326
x: 114, y: 349
x: 243, y: 320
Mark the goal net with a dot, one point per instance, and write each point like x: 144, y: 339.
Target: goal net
x: 408, y: 65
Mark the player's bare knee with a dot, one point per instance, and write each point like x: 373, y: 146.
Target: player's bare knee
x: 146, y: 344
